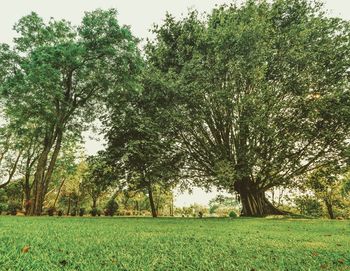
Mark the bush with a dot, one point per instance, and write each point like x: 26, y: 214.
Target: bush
x: 81, y: 211
x: 60, y: 213
x: 51, y: 211
x: 73, y: 212
x: 308, y: 205
x: 111, y: 208
x: 3, y: 207
x: 94, y: 212
x: 232, y: 214
x: 12, y: 208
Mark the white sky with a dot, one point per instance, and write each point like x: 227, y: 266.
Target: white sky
x: 140, y: 15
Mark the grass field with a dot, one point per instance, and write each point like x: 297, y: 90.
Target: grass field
x: 172, y: 244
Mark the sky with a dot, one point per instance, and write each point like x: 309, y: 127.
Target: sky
x: 140, y: 15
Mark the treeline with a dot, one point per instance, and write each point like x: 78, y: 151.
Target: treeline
x: 248, y: 98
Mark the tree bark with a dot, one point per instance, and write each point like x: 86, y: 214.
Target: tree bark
x: 151, y: 201
x: 58, y: 193
x: 94, y: 203
x: 329, y: 209
x: 254, y: 202
x: 42, y: 176
x: 38, y: 178
x: 68, y: 209
x: 27, y: 192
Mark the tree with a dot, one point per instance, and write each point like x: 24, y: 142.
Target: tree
x: 326, y: 183
x: 56, y: 75
x: 140, y: 143
x: 260, y: 93
x: 98, y: 178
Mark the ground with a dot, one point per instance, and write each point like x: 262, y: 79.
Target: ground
x: 53, y: 243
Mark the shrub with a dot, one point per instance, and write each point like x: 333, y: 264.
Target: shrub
x: 12, y: 208
x: 94, y: 212
x: 3, y: 207
x: 308, y: 205
x: 73, y: 212
x: 232, y: 214
x: 81, y: 211
x: 111, y: 207
x: 200, y: 214
x: 60, y: 213
x: 51, y: 211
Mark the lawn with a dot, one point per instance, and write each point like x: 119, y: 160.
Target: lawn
x: 173, y: 244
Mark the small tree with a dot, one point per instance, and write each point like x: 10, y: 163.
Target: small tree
x: 327, y: 184
x: 111, y: 207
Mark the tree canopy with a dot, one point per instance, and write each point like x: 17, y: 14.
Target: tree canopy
x: 261, y: 91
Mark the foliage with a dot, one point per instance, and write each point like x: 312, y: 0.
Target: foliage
x: 308, y: 205
x: 51, y: 211
x: 140, y: 142
x: 95, y: 212
x: 259, y: 93
x: 73, y: 212
x: 13, y: 208
x: 56, y: 77
x: 232, y: 214
x: 222, y: 205
x: 3, y: 207
x: 98, y: 177
x: 111, y: 207
x: 82, y: 211
x: 327, y: 184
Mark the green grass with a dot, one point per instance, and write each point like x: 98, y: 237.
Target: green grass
x: 173, y: 244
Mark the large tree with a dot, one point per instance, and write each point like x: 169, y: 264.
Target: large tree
x: 260, y: 93
x: 56, y: 75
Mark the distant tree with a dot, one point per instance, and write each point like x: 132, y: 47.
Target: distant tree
x: 326, y: 183
x: 308, y: 205
x: 259, y: 93
x: 98, y: 177
x: 111, y: 207
x: 57, y: 75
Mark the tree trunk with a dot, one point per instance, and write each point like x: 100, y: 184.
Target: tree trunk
x: 38, y: 181
x: 94, y: 203
x: 58, y: 193
x: 42, y: 176
x: 151, y: 201
x: 27, y: 192
x: 329, y: 209
x: 254, y: 202
x: 47, y: 177
x: 172, y: 206
x: 68, y: 210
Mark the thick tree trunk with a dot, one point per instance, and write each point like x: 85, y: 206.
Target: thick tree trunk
x: 47, y: 177
x: 42, y: 175
x: 254, y: 202
x: 329, y: 209
x: 151, y: 201
x: 38, y: 180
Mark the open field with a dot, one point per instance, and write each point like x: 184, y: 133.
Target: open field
x: 173, y: 244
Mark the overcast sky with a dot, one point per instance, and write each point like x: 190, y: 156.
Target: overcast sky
x: 140, y: 15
